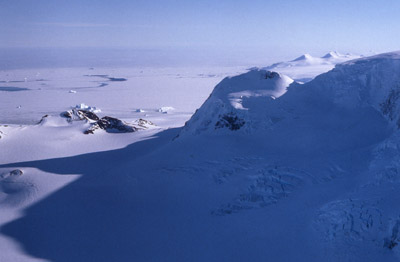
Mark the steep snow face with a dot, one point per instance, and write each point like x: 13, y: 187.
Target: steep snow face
x: 306, y: 67
x: 372, y: 81
x: 239, y: 103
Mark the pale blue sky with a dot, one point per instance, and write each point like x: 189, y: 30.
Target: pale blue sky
x: 281, y: 28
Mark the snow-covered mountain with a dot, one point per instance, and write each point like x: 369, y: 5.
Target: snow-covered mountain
x: 334, y: 138
x: 240, y: 102
x: 266, y: 169
x: 306, y: 67
x: 259, y: 97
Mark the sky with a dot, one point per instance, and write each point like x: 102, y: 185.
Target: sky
x: 241, y: 29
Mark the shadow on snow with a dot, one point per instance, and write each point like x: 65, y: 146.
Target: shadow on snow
x: 92, y: 218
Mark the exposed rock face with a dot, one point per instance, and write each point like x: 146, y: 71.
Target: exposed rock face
x: 230, y: 121
x: 270, y: 75
x: 239, y: 103
x: 143, y: 123
x: 12, y: 173
x: 111, y: 125
x: 389, y: 106
x: 43, y: 119
x: 79, y: 114
x: 393, y: 240
x: 107, y: 123
x: 16, y: 172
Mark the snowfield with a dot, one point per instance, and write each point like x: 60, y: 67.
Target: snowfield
x: 291, y: 165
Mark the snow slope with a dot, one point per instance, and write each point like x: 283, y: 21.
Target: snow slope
x: 266, y: 169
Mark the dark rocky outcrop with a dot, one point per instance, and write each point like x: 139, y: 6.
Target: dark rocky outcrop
x: 111, y: 125
x: 16, y: 172
x: 107, y: 123
x: 79, y: 114
x: 12, y: 173
x: 389, y: 107
x: 43, y: 119
x: 230, y: 121
x: 143, y: 123
x: 270, y: 75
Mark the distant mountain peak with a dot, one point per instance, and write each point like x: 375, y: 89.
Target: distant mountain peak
x: 333, y: 54
x: 304, y: 57
x: 304, y: 68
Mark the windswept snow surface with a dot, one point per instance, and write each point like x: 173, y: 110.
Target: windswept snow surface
x: 267, y: 169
